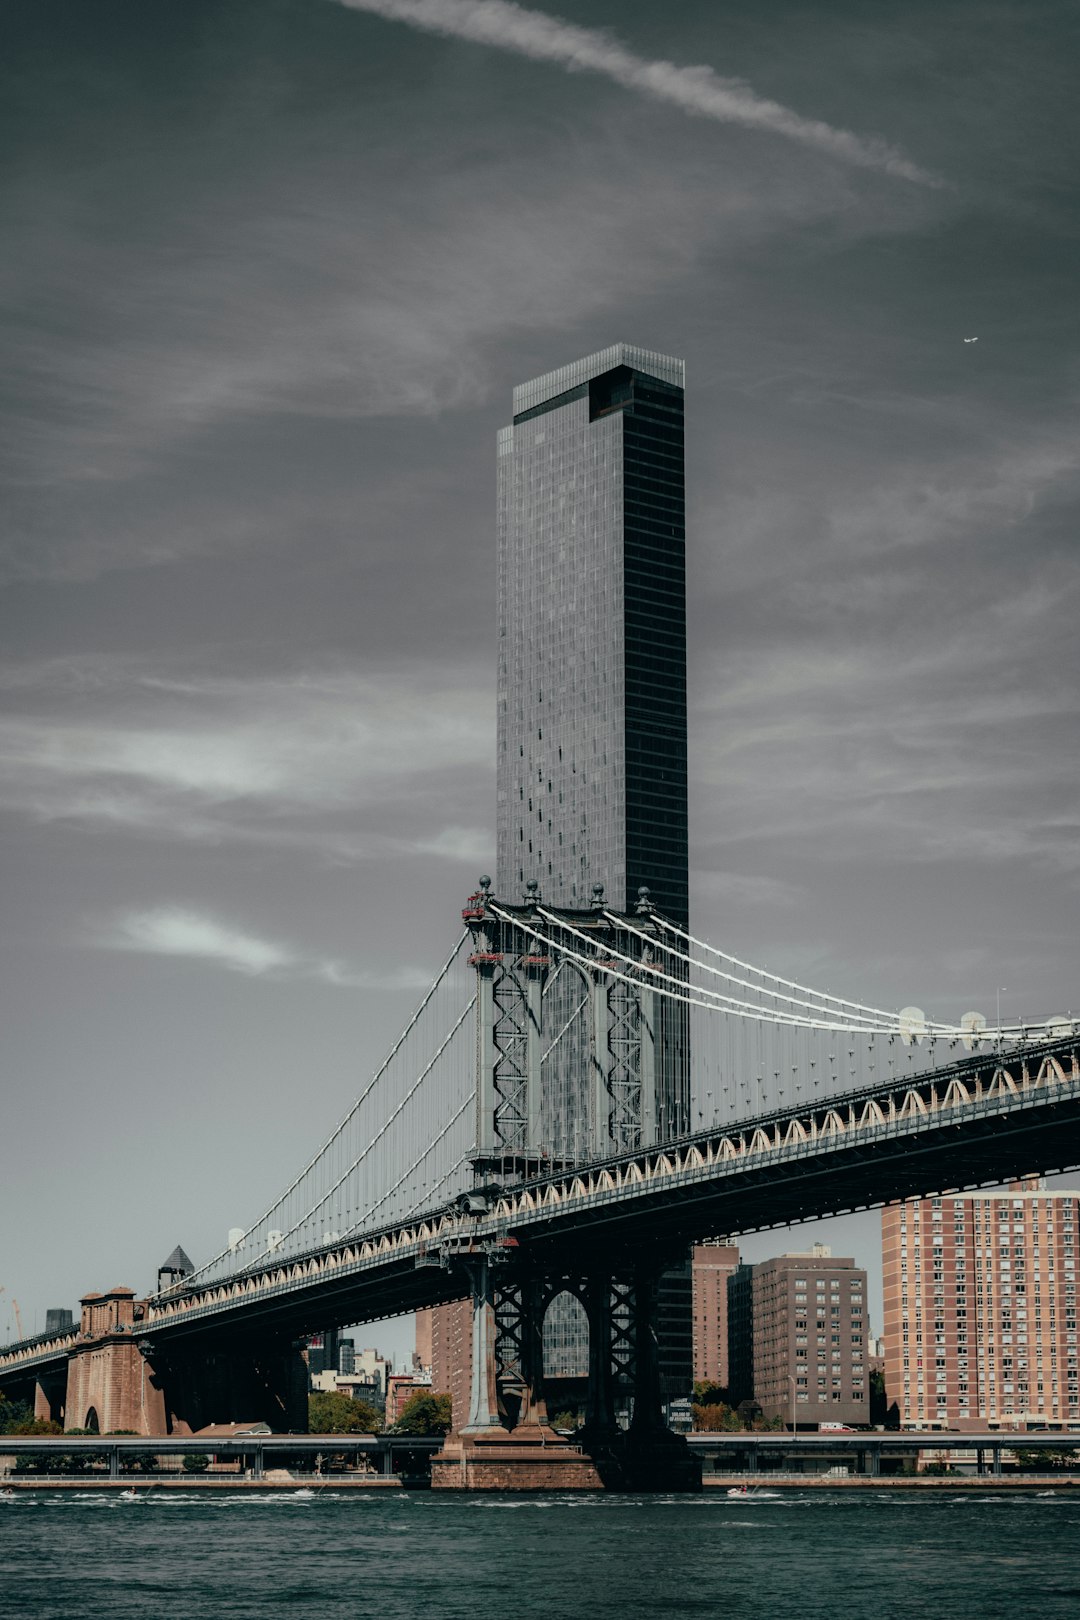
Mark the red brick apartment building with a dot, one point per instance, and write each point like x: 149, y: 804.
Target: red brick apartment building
x: 980, y: 1309
x: 713, y: 1262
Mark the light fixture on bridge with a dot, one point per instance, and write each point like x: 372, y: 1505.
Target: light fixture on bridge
x: 274, y: 1240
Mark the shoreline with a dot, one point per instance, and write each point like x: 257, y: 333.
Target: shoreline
x: 754, y: 1484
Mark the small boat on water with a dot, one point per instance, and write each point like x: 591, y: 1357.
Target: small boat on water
x: 7, y: 1494
x: 129, y: 1495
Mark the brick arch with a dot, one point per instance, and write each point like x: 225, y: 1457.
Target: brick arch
x: 91, y: 1420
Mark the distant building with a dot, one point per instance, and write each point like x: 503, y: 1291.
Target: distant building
x: 58, y: 1320
x: 174, y: 1269
x: 422, y: 1352
x: 674, y: 1331
x: 980, y: 1308
x: 712, y: 1263
x: 371, y: 1368
x: 328, y: 1352
x: 798, y: 1337
x: 446, y: 1338
x: 566, y: 1338
x: 400, y: 1388
x: 322, y: 1352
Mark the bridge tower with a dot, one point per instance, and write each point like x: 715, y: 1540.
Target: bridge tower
x: 566, y: 1071
x: 537, y: 1117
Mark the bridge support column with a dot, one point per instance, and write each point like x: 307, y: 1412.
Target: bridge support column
x: 483, y: 1395
x: 535, y: 972
x: 599, y: 1067
x: 483, y: 1454
x: 647, y: 1064
x: 600, y: 1398
x: 533, y: 1414
x: 50, y: 1391
x: 485, y: 1057
x: 648, y: 1416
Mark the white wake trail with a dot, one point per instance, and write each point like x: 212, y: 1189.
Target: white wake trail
x: 699, y: 91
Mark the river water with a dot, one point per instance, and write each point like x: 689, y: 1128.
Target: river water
x: 885, y: 1555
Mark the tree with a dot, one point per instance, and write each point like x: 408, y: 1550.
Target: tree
x: 14, y: 1413
x: 340, y: 1414
x: 715, y: 1417
x: 879, y: 1400
x: 424, y: 1413
x: 707, y: 1393
x: 33, y: 1425
x: 196, y: 1462
x: 1041, y: 1461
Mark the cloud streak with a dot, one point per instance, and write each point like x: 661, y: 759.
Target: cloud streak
x: 194, y: 936
x: 698, y: 91
x: 339, y: 763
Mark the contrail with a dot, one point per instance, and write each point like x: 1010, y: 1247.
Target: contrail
x: 697, y: 90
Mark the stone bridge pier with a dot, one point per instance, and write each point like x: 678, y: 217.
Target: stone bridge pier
x: 506, y: 1441
x: 120, y: 1378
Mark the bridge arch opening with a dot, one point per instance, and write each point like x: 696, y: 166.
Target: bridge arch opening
x: 566, y: 1358
x: 90, y: 1422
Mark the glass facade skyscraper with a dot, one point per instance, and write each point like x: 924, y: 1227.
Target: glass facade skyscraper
x: 592, y: 758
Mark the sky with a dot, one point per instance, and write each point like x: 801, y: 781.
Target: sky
x: 271, y: 270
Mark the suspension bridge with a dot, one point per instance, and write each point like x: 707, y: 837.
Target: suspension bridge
x: 578, y: 1095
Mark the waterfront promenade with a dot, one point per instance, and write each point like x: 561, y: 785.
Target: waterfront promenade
x: 868, y: 1459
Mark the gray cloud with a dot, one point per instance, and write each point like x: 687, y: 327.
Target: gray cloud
x: 176, y: 931
x: 269, y: 275
x: 696, y: 90
x: 314, y: 760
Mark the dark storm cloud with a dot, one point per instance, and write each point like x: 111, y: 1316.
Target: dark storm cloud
x: 271, y: 270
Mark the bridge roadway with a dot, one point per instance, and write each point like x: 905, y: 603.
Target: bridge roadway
x: 977, y: 1122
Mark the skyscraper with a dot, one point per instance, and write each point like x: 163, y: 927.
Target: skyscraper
x: 592, y: 757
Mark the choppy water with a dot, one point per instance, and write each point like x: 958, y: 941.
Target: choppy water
x: 883, y: 1555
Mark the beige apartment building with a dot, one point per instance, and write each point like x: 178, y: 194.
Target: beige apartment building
x: 980, y: 1308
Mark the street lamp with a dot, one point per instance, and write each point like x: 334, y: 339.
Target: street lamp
x: 1002, y: 987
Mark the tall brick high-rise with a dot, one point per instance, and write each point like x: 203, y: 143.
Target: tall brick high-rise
x: 713, y: 1262
x: 980, y: 1308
